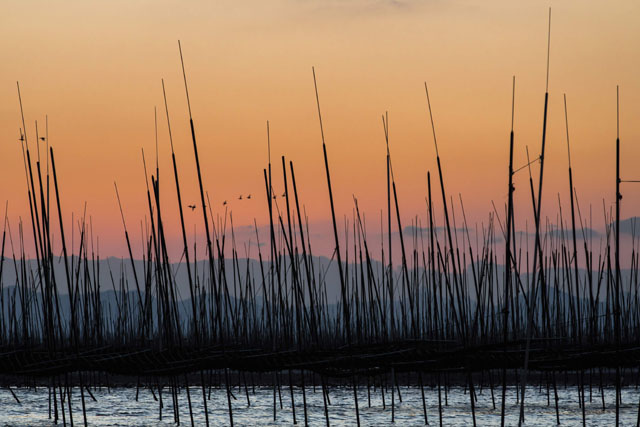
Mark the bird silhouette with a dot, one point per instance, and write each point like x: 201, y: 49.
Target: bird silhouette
x: 249, y: 196
x: 240, y: 198
x: 193, y: 207
x: 284, y: 194
x: 21, y: 138
x: 42, y: 138
x: 224, y: 203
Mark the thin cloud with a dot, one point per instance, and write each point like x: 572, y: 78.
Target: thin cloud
x: 355, y: 8
x: 629, y: 225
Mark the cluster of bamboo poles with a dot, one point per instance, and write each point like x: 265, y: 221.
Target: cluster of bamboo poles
x: 448, y: 294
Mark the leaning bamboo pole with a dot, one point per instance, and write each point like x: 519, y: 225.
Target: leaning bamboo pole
x: 538, y: 258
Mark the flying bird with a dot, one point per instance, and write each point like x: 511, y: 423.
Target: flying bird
x: 224, y: 203
x: 240, y: 198
x: 193, y: 207
x: 249, y: 196
x: 42, y: 138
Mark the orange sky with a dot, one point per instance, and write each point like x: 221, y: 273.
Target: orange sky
x: 95, y: 69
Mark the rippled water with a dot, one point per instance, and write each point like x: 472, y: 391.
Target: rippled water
x: 119, y: 408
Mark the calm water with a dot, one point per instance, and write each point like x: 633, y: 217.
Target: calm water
x: 119, y: 408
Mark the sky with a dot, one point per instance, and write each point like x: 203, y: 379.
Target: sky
x: 94, y: 71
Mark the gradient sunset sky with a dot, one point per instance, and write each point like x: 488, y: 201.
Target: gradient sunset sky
x: 95, y: 69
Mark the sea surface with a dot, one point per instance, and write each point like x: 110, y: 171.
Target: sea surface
x: 118, y: 407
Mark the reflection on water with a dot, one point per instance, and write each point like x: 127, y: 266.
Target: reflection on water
x: 119, y: 408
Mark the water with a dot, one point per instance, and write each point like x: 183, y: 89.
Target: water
x: 119, y: 408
